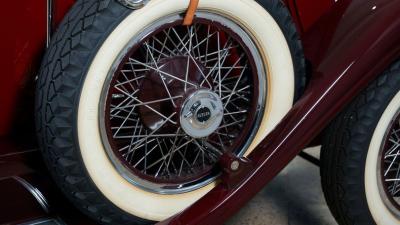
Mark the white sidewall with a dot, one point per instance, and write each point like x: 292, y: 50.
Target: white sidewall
x: 377, y: 207
x: 123, y: 194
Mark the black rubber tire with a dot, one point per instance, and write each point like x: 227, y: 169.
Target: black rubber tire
x: 345, y: 147
x: 282, y: 16
x: 63, y: 71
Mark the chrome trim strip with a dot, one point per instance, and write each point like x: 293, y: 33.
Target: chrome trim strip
x: 18, y: 153
x: 46, y: 221
x: 35, y: 192
x: 49, y: 21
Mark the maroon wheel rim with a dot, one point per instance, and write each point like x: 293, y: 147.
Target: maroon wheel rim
x: 146, y: 95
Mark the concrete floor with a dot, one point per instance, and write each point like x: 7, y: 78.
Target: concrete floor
x: 294, y: 197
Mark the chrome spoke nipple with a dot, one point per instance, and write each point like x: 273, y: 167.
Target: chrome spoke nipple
x: 235, y: 165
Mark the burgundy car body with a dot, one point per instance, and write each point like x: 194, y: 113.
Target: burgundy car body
x: 28, y: 34
x: 348, y: 44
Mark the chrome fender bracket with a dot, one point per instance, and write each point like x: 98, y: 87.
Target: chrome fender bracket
x: 133, y: 4
x: 189, y: 15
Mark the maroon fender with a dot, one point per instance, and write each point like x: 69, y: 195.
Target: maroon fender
x: 362, y: 40
x: 22, y: 44
x: 305, y: 12
x: 25, y: 23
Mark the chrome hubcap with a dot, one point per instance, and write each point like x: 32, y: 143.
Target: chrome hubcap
x: 201, y: 114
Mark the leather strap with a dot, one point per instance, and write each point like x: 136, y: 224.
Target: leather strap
x: 188, y: 20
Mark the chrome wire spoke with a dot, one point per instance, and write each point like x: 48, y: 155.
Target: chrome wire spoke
x: 391, y: 163
x: 189, y: 37
x: 204, y: 41
x: 128, y: 156
x: 139, y: 142
x: 150, y: 102
x: 148, y: 135
x: 136, y: 79
x: 144, y: 158
x: 233, y: 114
x: 182, y: 162
x: 166, y: 168
x: 207, y: 44
x: 234, y: 89
x: 123, y: 122
x: 215, y: 54
x: 231, y: 68
x: 197, y: 46
x: 236, y: 92
x: 163, y: 73
x: 172, y: 149
x: 207, y: 147
x: 168, y: 155
x: 220, y: 61
x: 219, y: 65
x: 396, y: 182
x: 178, y: 47
x: 161, y: 77
x: 152, y: 50
x: 191, y: 57
x: 164, y: 46
x: 147, y: 106
x: 233, y: 123
x: 187, y: 73
x: 395, y: 146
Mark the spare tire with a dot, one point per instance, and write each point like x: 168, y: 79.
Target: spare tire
x: 134, y: 109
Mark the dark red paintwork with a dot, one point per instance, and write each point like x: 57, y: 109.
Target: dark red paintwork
x: 25, y: 23
x: 305, y: 12
x: 309, y: 12
x: 25, y: 43
x: 18, y: 205
x: 22, y: 44
x: 349, y: 43
x: 351, y: 53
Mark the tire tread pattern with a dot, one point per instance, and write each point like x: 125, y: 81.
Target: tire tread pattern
x: 58, y: 89
x: 345, y: 148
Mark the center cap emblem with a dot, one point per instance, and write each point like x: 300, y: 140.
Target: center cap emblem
x: 201, y: 113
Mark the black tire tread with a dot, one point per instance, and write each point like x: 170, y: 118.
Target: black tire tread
x: 283, y: 18
x: 58, y: 87
x: 345, y: 147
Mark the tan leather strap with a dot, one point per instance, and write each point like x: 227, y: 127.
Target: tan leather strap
x: 190, y: 12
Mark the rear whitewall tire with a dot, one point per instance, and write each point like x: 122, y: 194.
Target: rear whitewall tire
x: 351, y: 163
x: 380, y: 212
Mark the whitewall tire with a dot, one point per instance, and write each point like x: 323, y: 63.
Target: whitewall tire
x: 354, y: 164
x: 75, y: 71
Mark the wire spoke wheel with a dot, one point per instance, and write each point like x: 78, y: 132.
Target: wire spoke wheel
x: 389, y: 169
x: 178, y: 98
